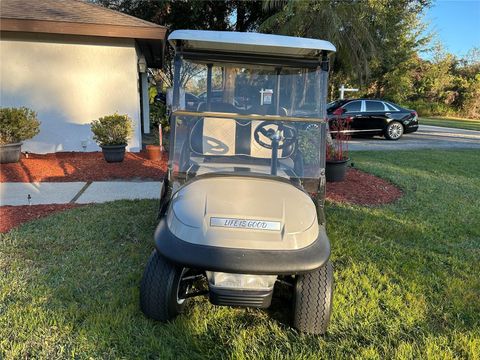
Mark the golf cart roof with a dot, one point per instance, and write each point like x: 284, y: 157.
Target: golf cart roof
x: 249, y: 43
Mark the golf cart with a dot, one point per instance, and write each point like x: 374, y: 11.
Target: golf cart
x: 242, y: 208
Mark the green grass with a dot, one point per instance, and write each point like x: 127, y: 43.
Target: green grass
x: 407, y: 280
x: 458, y: 123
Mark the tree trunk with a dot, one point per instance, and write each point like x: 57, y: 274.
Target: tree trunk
x: 293, y: 94
x: 240, y: 24
x: 305, y: 85
x: 228, y: 84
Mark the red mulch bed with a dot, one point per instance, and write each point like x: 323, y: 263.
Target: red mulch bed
x: 77, y: 166
x: 363, y: 189
x: 358, y: 188
x: 12, y: 216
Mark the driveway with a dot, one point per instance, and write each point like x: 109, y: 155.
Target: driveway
x: 427, y: 137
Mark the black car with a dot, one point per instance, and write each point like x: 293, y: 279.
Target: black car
x: 191, y: 101
x: 240, y: 102
x: 374, y: 117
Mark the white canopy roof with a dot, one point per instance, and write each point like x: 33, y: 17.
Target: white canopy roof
x: 249, y: 43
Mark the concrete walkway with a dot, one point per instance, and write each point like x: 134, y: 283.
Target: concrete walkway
x: 15, y: 193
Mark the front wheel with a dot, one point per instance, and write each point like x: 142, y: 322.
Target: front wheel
x: 394, y: 130
x: 160, y: 297
x: 313, y: 300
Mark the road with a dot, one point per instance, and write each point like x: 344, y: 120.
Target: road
x: 427, y: 137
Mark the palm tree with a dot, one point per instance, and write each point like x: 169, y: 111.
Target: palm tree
x: 347, y: 24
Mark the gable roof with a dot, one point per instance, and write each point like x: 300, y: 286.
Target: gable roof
x: 76, y: 17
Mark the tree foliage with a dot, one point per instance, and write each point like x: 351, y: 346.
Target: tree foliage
x: 371, y: 36
x: 378, y: 42
x: 442, y: 85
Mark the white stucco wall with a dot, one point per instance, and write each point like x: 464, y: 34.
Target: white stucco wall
x: 69, y: 81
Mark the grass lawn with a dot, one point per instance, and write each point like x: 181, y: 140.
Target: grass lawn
x: 459, y: 123
x: 407, y: 280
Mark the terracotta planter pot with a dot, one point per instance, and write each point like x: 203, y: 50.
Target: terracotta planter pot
x: 154, y: 152
x: 10, y: 153
x: 335, y: 170
x: 113, y: 153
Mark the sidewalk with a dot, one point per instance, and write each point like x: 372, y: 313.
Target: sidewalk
x: 77, y: 192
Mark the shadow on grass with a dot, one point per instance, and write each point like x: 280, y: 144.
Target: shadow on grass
x: 70, y: 285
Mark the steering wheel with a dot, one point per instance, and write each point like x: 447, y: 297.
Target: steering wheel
x: 288, y: 134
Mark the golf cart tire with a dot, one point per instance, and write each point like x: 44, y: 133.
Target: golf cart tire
x: 313, y: 300
x: 159, y: 287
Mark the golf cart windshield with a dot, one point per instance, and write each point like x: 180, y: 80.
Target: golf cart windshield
x: 260, y: 120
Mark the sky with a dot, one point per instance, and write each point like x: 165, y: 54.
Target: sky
x: 457, y: 24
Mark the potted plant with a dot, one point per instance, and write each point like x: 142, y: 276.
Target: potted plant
x: 154, y: 152
x: 337, y: 151
x: 159, y: 125
x: 16, y: 125
x: 112, y: 133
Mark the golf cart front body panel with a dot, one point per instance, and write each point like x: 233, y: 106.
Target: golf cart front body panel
x: 242, y: 261
x: 243, y: 213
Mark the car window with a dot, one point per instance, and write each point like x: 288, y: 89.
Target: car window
x: 374, y: 106
x: 390, y: 107
x: 353, y: 106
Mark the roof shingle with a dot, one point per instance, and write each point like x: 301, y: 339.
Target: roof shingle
x: 72, y: 11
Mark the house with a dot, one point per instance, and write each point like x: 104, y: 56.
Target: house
x: 72, y: 62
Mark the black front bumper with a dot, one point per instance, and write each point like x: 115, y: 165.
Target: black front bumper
x: 411, y: 128
x: 244, y: 298
x: 242, y: 261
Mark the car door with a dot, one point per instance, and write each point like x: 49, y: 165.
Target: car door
x: 353, y: 110
x: 375, y: 115
x: 394, y: 112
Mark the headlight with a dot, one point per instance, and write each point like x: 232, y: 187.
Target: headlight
x: 241, y: 281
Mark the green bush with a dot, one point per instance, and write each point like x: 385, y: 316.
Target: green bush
x: 309, y: 145
x: 424, y: 108
x: 112, y: 130
x: 158, y: 115
x: 17, y: 124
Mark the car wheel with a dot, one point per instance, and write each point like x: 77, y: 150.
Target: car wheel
x: 394, y: 130
x: 313, y: 300
x: 160, y: 289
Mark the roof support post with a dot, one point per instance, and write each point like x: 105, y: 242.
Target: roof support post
x: 277, y: 90
x: 322, y: 90
x: 177, y: 63
x: 323, y: 84
x: 144, y: 102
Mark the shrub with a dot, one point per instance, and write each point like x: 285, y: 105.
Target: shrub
x: 425, y: 108
x: 158, y: 115
x: 112, y: 130
x: 17, y: 124
x: 338, y: 150
x: 309, y: 145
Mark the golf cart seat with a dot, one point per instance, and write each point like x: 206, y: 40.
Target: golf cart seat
x: 212, y: 136
x: 216, y: 143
